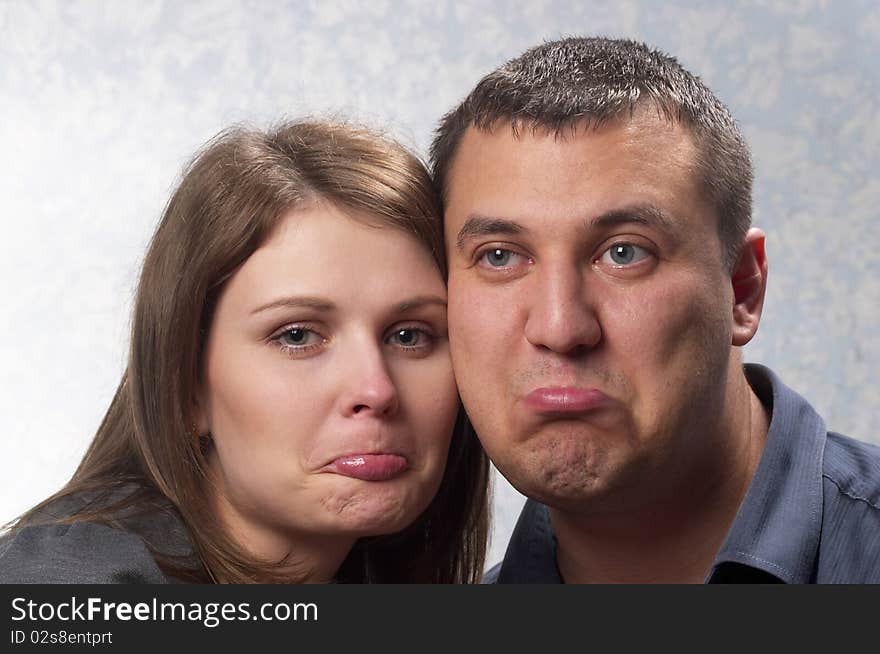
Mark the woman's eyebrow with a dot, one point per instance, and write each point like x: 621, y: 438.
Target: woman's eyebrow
x: 418, y: 302
x: 297, y: 301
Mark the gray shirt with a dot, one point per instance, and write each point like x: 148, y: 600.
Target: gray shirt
x: 92, y: 553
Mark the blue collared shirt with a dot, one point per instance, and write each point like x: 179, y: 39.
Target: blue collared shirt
x: 811, y: 514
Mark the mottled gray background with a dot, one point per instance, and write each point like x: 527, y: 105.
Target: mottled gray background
x: 101, y: 104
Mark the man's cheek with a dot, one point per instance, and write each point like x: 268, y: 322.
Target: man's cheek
x: 469, y: 322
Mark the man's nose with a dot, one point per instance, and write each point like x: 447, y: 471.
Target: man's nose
x: 561, y: 317
x: 369, y: 389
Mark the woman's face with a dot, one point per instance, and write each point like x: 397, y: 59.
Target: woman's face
x: 327, y: 385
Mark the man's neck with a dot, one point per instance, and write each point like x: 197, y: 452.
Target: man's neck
x: 674, y: 539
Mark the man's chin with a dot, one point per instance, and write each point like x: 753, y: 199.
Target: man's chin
x: 571, y: 474
x: 568, y: 499
x: 562, y: 487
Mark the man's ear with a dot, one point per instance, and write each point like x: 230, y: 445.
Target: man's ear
x: 749, y: 280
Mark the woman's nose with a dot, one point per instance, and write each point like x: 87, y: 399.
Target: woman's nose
x: 369, y: 387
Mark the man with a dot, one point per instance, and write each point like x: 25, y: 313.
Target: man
x: 603, y: 278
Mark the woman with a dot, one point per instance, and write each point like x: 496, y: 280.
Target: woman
x: 288, y: 413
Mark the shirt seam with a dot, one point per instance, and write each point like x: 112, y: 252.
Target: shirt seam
x: 852, y: 495
x: 765, y: 562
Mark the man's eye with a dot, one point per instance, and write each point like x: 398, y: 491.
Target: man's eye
x: 499, y: 258
x: 624, y: 254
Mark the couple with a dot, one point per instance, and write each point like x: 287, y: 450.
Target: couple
x: 289, y: 411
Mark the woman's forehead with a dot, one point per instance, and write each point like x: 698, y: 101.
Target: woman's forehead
x: 323, y: 252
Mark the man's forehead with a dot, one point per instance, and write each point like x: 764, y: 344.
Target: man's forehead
x: 645, y: 138
x: 637, y: 169
x: 642, y: 146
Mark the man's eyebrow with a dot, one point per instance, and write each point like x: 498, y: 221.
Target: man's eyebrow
x: 297, y: 301
x: 485, y: 226
x: 643, y: 214
x: 419, y: 302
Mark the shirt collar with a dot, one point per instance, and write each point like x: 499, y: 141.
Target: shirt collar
x: 778, y: 524
x: 531, y: 553
x: 777, y: 527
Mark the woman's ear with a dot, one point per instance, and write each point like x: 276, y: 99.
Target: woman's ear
x: 749, y: 280
x: 201, y: 424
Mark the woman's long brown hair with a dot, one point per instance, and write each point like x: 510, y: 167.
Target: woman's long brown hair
x: 145, y: 451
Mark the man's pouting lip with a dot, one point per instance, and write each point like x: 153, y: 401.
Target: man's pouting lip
x: 562, y: 400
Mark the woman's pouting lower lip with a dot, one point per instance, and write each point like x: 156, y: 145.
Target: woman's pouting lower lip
x: 369, y: 466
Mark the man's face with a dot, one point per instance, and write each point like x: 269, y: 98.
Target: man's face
x: 590, y: 311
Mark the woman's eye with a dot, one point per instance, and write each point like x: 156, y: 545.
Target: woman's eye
x: 409, y: 338
x: 297, y: 337
x: 624, y: 254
